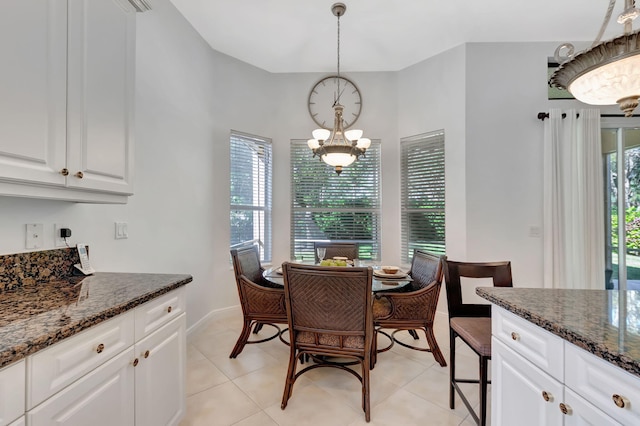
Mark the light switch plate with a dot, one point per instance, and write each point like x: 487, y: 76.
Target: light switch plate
x: 122, y: 230
x: 33, y: 235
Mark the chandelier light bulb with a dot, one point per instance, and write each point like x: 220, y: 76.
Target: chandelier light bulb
x: 336, y: 159
x: 364, y: 143
x: 321, y: 134
x: 313, y: 144
x: 353, y: 134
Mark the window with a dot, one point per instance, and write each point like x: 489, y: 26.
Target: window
x: 422, y: 193
x: 622, y: 194
x: 326, y: 206
x: 251, y: 193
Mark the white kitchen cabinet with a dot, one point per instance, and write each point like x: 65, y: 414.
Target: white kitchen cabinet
x: 566, y: 386
x: 12, y: 392
x: 525, y: 395
x: 104, y: 397
x: 66, y: 99
x: 160, y: 375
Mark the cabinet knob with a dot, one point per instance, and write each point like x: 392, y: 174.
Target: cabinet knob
x: 135, y: 362
x: 169, y: 310
x: 79, y: 175
x: 565, y: 409
x: 515, y: 336
x: 620, y: 401
x: 146, y: 354
x: 547, y: 396
x: 64, y: 172
x: 100, y: 348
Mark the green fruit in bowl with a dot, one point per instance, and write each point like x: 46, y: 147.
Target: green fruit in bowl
x: 332, y: 262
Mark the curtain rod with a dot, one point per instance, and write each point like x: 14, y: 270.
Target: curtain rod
x: 543, y: 115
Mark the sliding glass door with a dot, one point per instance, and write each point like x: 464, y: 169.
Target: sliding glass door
x: 621, y: 141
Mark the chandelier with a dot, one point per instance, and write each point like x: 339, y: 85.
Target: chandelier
x: 338, y: 147
x: 608, y: 73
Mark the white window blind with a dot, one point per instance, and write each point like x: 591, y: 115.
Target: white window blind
x: 422, y: 193
x: 326, y: 206
x: 251, y: 174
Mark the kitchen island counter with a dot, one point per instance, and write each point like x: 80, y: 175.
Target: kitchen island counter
x: 605, y: 323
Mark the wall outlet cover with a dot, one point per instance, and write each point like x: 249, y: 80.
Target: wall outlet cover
x: 33, y: 235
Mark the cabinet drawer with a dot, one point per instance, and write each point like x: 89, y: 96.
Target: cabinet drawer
x: 104, y: 397
x: 542, y: 348
x: 12, y: 392
x: 159, y: 311
x: 582, y: 413
x: 51, y: 369
x: 598, y: 381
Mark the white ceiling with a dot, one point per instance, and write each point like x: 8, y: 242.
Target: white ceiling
x: 383, y: 35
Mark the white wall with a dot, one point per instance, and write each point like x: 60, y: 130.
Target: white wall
x: 188, y: 98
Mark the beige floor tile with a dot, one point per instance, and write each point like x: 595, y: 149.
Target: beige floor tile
x: 404, y: 408
x: 258, y: 419
x: 251, y: 359
x: 266, y: 385
x: 193, y: 354
x: 221, y: 405
x: 397, y: 369
x: 202, y: 375
x: 311, y: 405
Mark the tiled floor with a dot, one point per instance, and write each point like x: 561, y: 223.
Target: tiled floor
x: 407, y: 387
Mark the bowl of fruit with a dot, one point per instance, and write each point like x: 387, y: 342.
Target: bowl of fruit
x: 391, y: 270
x: 333, y: 262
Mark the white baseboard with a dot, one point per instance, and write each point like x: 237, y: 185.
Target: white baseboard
x: 211, y: 315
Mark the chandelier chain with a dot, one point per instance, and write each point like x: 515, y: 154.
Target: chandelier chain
x: 338, y: 53
x: 605, y: 22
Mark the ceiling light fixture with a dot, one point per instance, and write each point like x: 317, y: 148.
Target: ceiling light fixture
x: 608, y: 72
x: 337, y: 147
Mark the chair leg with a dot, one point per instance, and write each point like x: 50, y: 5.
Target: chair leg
x: 452, y: 367
x: 483, y: 390
x: 433, y: 344
x: 257, y: 328
x: 291, y: 373
x: 366, y: 403
x: 413, y: 334
x: 242, y: 340
x: 374, y: 349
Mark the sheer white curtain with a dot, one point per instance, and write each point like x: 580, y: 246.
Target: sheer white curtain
x: 573, y: 200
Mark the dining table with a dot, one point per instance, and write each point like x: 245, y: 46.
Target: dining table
x: 381, y: 281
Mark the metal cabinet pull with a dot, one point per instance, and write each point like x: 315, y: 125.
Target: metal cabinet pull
x: 100, y: 348
x: 146, y: 354
x: 64, y: 172
x: 620, y: 401
x: 79, y: 175
x: 547, y: 396
x: 169, y: 310
x: 565, y: 409
x: 515, y: 336
x: 135, y: 362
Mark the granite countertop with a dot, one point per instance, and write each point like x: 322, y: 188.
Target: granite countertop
x: 38, y: 315
x: 603, y: 322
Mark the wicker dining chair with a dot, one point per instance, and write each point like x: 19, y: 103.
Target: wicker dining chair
x: 348, y: 250
x: 472, y: 324
x: 415, y: 307
x: 262, y: 302
x: 329, y: 310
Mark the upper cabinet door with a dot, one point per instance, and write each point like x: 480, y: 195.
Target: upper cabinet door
x: 33, y: 38
x: 101, y: 65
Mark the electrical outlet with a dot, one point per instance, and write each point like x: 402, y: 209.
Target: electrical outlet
x: 57, y: 240
x: 33, y: 235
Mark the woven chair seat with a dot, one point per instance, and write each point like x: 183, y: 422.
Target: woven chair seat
x: 381, y: 308
x: 350, y: 342
x: 475, y: 331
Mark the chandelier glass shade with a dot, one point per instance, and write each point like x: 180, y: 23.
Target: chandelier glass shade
x: 609, y: 72
x: 337, y: 147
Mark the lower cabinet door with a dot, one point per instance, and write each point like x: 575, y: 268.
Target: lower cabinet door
x: 579, y: 412
x: 160, y: 375
x: 521, y: 393
x: 103, y: 397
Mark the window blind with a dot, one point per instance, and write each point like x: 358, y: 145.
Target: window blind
x: 251, y: 182
x: 326, y: 206
x: 422, y: 194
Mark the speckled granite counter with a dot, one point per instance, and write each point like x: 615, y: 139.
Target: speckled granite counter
x: 603, y: 322
x: 38, y: 315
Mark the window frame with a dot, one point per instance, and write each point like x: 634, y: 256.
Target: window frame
x: 416, y: 154
x: 262, y: 194
x: 361, y: 211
